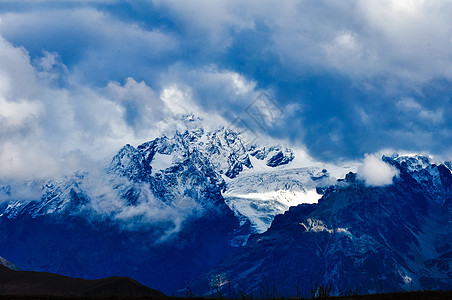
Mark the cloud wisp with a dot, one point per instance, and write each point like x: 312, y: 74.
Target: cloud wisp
x: 376, y: 172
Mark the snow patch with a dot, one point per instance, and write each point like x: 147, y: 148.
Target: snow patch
x: 291, y: 198
x: 261, y: 208
x: 258, y: 166
x: 259, y: 196
x: 162, y: 161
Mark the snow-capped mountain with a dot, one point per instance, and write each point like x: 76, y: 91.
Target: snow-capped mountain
x: 188, y: 166
x: 38, y: 198
x: 358, y: 238
x: 156, y: 208
x: 257, y: 182
x: 176, y: 177
x: 166, y: 210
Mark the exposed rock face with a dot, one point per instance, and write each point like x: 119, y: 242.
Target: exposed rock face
x: 371, y: 239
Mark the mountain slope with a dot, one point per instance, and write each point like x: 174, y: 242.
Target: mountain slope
x: 371, y: 239
x: 8, y: 264
x: 156, y: 211
x: 172, y: 208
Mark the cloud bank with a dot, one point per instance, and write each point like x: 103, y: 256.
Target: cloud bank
x: 79, y: 79
x: 50, y: 129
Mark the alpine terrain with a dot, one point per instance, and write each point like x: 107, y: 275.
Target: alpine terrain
x: 205, y: 211
x: 357, y: 238
x: 158, y: 213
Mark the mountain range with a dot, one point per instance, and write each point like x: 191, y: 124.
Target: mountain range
x: 205, y: 211
x: 356, y: 238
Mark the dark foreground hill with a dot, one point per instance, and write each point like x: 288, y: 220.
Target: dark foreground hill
x: 420, y: 295
x: 40, y: 283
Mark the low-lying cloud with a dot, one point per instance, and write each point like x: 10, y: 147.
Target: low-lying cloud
x: 108, y: 198
x: 376, y: 172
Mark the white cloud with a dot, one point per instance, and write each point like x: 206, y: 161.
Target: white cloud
x: 97, y: 44
x: 208, y: 91
x: 345, y: 52
x: 50, y: 67
x: 16, y: 113
x: 413, y: 108
x: 105, y: 190
x: 149, y: 72
x: 41, y: 125
x: 17, y: 76
x: 408, y: 104
x: 404, y: 39
x: 376, y: 172
x: 213, y: 21
x: 408, y: 40
x: 179, y: 101
x: 220, y: 83
x: 49, y: 130
x: 142, y: 106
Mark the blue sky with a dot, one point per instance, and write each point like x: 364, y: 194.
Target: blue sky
x: 78, y: 79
